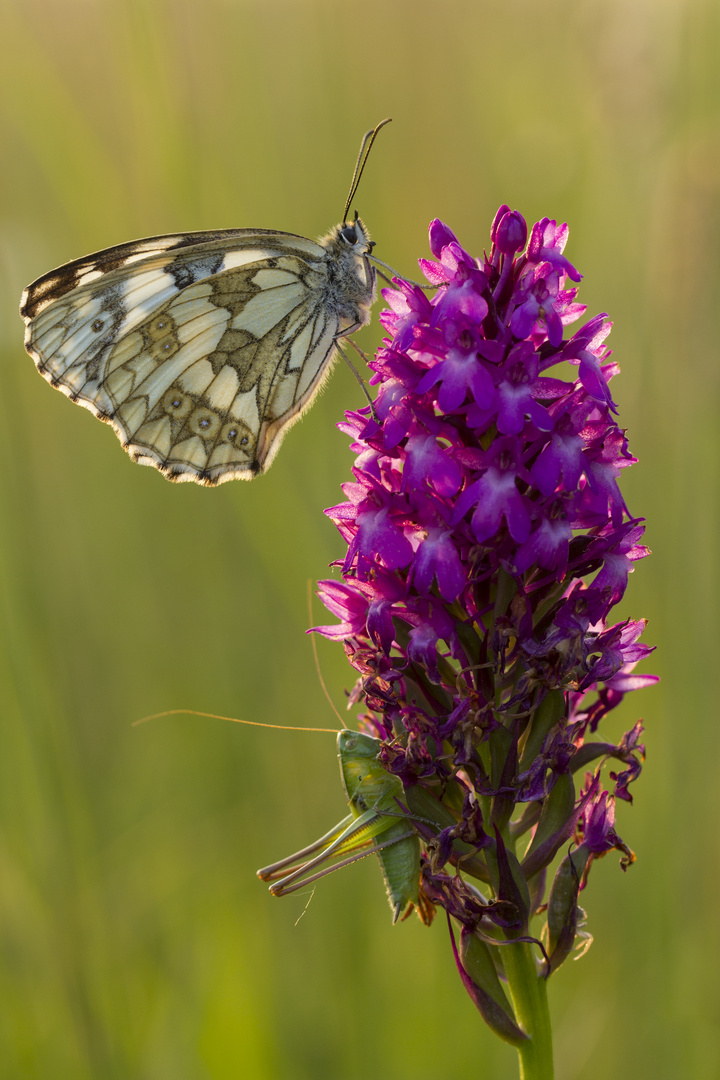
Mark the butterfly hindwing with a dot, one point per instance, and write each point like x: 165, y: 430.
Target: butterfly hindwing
x: 199, y: 350
x: 204, y: 383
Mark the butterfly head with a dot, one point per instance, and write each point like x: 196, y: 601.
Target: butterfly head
x: 355, y: 237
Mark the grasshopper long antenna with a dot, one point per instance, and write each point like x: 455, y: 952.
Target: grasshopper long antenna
x: 365, y: 148
x: 318, y: 669
x: 235, y: 720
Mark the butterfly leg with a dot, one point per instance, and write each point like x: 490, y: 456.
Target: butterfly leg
x: 354, y: 370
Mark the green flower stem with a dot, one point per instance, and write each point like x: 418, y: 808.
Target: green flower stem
x: 528, y: 991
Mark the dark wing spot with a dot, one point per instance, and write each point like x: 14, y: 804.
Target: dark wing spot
x: 186, y: 271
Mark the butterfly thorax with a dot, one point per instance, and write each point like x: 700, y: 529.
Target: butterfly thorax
x: 351, y: 283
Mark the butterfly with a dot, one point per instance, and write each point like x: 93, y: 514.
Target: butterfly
x: 201, y: 349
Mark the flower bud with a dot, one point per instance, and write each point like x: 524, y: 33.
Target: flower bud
x: 556, y: 813
x: 511, y: 233
x: 562, y: 910
x: 477, y: 971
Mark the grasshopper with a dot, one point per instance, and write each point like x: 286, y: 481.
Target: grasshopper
x: 375, y: 825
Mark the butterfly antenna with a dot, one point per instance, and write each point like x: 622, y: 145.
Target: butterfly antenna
x: 365, y: 148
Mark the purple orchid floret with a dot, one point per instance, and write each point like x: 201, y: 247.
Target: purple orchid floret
x: 487, y: 544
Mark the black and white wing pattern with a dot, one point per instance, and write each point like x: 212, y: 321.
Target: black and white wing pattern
x: 200, y: 350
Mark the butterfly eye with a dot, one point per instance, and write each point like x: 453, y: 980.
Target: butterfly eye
x: 349, y: 234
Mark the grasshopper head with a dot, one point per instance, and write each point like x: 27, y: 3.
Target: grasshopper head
x: 357, y: 744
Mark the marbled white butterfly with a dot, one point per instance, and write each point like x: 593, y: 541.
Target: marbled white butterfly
x: 201, y: 349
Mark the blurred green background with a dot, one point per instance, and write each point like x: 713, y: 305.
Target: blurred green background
x: 136, y: 941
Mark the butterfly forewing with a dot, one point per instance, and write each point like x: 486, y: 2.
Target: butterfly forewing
x: 200, y: 350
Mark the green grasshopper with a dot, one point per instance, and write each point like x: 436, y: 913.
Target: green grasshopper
x: 372, y: 795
